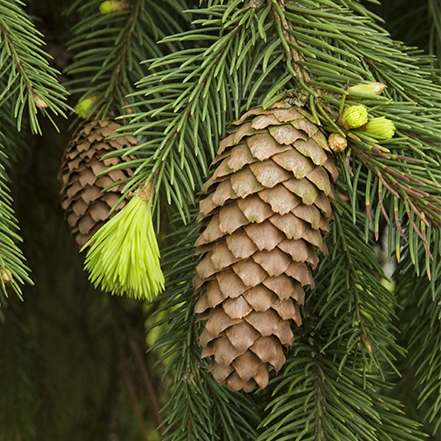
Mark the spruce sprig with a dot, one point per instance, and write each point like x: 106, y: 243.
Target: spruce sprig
x: 420, y: 324
x: 198, y: 408
x: 14, y: 145
x: 351, y: 292
x: 317, y: 397
x: 110, y: 49
x: 191, y: 96
x: 30, y: 82
x: 418, y: 25
x: 191, y: 92
x: 329, y: 43
x: 13, y: 270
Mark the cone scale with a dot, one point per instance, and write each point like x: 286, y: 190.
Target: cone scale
x: 265, y: 211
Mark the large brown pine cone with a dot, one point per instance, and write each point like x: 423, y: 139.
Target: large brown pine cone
x: 86, y: 207
x: 265, y: 210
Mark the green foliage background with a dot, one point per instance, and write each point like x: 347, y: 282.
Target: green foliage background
x: 366, y: 363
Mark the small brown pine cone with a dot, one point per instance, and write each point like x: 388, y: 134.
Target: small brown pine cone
x: 86, y: 207
x: 265, y: 208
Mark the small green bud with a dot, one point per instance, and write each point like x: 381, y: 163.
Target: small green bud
x: 381, y: 127
x: 108, y: 7
x: 82, y: 109
x: 124, y: 253
x: 354, y: 117
x: 337, y: 143
x: 368, y: 88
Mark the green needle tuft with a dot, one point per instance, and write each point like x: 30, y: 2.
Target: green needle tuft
x: 354, y: 117
x: 381, y: 126
x: 124, y: 253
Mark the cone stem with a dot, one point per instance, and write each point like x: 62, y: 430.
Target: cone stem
x: 147, y: 192
x: 291, y: 53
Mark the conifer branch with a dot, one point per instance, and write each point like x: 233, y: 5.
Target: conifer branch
x: 416, y: 25
x: 111, y: 49
x: 421, y: 297
x: 214, y: 62
x: 13, y: 271
x: 198, y: 408
x: 314, y: 400
x: 351, y: 281
x: 410, y: 185
x: 14, y: 145
x: 190, y: 106
x: 325, y: 57
x: 187, y: 409
x: 31, y: 82
x: 289, y: 40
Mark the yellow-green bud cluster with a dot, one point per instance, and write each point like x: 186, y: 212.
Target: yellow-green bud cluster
x: 83, y: 108
x: 108, y: 7
x: 124, y: 253
x: 381, y: 127
x: 357, y: 117
x: 354, y: 117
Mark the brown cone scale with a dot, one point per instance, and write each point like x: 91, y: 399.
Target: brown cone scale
x: 265, y: 212
x: 86, y: 206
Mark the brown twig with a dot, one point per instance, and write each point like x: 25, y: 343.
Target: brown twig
x: 301, y: 74
x: 143, y: 368
x: 126, y: 377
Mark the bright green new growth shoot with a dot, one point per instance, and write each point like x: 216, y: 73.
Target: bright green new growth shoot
x: 124, y: 256
x: 83, y: 108
x: 381, y: 126
x: 368, y: 88
x: 108, y: 7
x: 354, y: 117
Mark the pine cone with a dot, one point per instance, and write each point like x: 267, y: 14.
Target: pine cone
x: 86, y: 207
x: 265, y: 206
